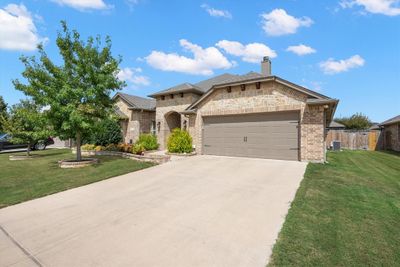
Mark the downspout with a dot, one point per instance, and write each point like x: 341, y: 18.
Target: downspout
x: 325, y: 132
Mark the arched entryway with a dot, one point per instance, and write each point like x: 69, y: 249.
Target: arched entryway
x: 173, y: 120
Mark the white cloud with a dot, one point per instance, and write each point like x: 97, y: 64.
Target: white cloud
x: 332, y: 67
x: 253, y: 52
x: 278, y: 22
x: 385, y: 7
x: 204, y: 60
x: 83, y: 4
x: 133, y: 76
x: 17, y: 29
x: 301, y: 49
x: 217, y: 12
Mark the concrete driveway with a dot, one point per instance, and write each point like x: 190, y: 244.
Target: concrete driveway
x: 199, y: 211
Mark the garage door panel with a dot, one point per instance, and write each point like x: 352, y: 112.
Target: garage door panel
x: 268, y: 135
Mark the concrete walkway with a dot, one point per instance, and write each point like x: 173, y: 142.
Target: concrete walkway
x: 199, y: 211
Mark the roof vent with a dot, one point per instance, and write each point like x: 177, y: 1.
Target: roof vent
x: 266, y: 66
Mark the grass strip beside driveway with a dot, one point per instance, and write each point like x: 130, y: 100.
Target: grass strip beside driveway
x: 28, y: 179
x: 345, y: 213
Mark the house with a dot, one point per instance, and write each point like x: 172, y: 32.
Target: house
x: 391, y: 133
x: 137, y: 115
x: 252, y: 115
x: 336, y: 126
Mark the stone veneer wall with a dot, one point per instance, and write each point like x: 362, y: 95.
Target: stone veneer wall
x: 394, y: 142
x: 271, y: 97
x: 138, y: 122
x: 168, y: 105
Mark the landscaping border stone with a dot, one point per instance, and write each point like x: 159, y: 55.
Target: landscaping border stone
x: 22, y: 157
x: 182, y: 154
x: 159, y: 159
x: 72, y: 164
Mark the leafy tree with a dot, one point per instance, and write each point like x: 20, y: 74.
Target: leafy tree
x: 106, y: 132
x: 78, y: 91
x: 26, y: 124
x: 357, y: 121
x: 3, y: 112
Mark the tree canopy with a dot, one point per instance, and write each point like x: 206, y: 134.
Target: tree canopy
x: 3, y: 112
x: 26, y: 123
x: 357, y: 121
x: 78, y: 91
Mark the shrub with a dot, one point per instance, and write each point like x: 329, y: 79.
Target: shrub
x: 179, y: 141
x: 111, y: 147
x: 106, y: 132
x: 138, y: 149
x: 99, y: 148
x: 88, y: 147
x: 149, y: 141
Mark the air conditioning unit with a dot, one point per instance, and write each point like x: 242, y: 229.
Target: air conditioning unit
x: 335, y: 145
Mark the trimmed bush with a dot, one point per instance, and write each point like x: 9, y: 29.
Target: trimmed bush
x: 138, y: 149
x: 179, y: 141
x: 149, y: 141
x: 88, y: 147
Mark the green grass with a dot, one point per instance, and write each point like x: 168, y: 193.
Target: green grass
x: 345, y: 213
x: 24, y: 180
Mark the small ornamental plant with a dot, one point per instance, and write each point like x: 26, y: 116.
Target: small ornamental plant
x: 138, y: 149
x: 149, y: 141
x: 179, y: 141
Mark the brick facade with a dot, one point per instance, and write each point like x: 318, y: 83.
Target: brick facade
x: 138, y: 122
x: 167, y: 107
x: 271, y: 97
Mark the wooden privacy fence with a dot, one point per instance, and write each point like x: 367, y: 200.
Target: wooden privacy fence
x: 365, y: 140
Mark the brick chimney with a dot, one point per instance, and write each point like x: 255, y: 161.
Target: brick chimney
x: 266, y: 66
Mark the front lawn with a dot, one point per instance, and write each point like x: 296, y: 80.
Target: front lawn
x: 24, y: 180
x: 345, y: 213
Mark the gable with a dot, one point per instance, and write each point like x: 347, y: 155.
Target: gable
x: 291, y: 88
x: 271, y: 94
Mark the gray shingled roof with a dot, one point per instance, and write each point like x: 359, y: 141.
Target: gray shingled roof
x: 205, y: 85
x: 392, y: 120
x: 184, y: 87
x: 335, y: 124
x: 137, y: 102
x: 240, y: 78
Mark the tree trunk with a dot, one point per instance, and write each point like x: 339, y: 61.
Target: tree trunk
x: 78, y: 146
x: 28, y: 149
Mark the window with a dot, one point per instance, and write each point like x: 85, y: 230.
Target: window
x: 153, y: 127
x: 163, y: 97
x: 172, y: 96
x: 258, y: 85
x: 181, y: 94
x: 242, y: 87
x: 229, y: 89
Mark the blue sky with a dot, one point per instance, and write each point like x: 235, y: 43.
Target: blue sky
x: 346, y: 49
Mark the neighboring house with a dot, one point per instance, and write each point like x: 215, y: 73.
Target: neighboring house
x: 391, y: 133
x: 336, y: 126
x: 137, y: 115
